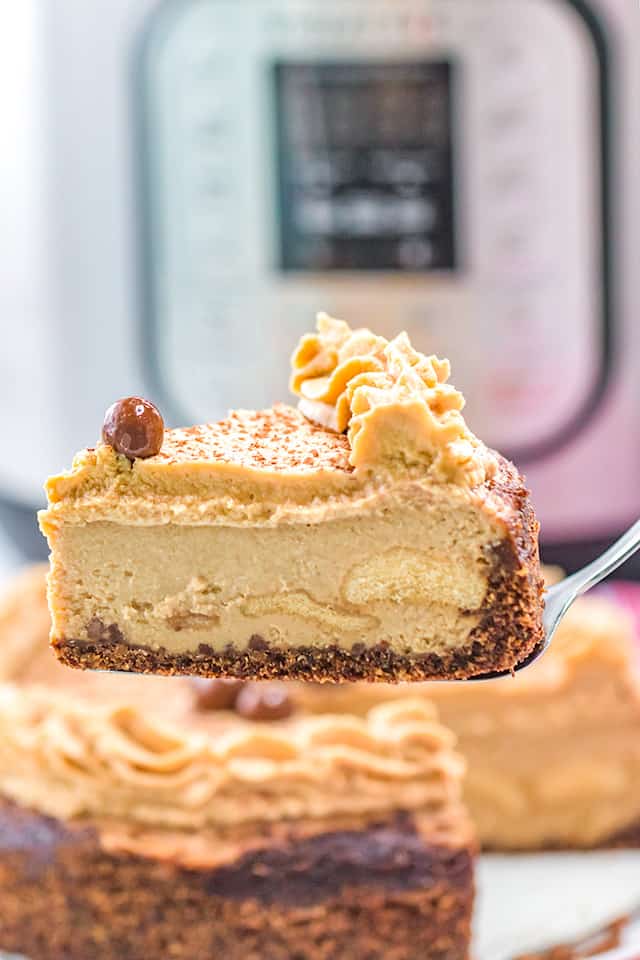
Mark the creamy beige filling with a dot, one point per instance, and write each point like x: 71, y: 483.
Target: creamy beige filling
x: 411, y: 576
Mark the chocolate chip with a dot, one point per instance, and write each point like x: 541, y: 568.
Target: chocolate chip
x: 133, y: 427
x: 264, y: 702
x: 216, y: 694
x: 256, y: 642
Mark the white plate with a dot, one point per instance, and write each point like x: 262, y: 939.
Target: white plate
x: 527, y: 903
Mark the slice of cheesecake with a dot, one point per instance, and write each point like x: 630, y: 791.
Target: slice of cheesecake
x: 367, y: 534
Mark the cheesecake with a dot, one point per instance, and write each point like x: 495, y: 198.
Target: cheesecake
x: 364, y: 534
x: 139, y: 819
x: 553, y: 755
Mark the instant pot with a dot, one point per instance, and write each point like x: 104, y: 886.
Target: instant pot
x: 191, y: 180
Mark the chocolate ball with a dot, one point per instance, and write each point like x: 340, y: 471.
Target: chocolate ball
x: 133, y: 427
x: 264, y: 702
x: 216, y: 694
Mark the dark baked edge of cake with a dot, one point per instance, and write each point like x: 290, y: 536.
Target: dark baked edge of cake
x: 383, y: 892
x: 509, y: 631
x: 628, y: 837
x: 331, y: 664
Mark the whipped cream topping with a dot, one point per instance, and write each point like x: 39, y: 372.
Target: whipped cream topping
x: 395, y: 403
x: 77, y: 760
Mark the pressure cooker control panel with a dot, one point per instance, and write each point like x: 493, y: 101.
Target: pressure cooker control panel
x: 423, y: 165
x: 365, y: 165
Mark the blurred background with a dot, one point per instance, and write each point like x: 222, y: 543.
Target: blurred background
x: 184, y: 184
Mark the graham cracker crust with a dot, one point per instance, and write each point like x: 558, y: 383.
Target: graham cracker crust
x: 331, y: 664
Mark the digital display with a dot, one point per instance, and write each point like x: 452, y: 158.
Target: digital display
x: 365, y: 166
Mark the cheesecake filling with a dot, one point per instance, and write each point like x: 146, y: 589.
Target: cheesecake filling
x: 412, y: 578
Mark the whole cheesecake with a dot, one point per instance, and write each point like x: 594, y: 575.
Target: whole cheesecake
x: 138, y: 820
x: 367, y: 534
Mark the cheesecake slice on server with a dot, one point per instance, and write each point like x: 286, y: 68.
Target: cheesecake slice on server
x: 367, y: 534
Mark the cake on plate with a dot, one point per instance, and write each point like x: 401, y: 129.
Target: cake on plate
x: 553, y: 755
x: 139, y: 821
x: 367, y: 534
